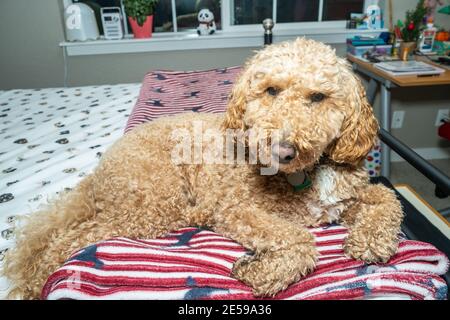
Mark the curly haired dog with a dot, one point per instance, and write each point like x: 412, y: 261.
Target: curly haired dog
x: 300, y: 88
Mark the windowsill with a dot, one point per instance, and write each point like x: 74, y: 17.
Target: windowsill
x: 191, y: 41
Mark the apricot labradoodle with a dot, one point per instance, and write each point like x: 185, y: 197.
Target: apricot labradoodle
x: 302, y: 89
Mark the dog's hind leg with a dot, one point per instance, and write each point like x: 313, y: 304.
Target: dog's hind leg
x: 24, y: 264
x: 75, y: 221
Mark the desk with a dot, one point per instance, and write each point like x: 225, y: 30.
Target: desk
x: 388, y: 82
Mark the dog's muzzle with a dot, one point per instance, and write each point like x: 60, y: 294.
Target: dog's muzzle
x: 284, y: 152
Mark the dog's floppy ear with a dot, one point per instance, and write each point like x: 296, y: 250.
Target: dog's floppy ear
x: 236, y: 103
x: 359, y: 130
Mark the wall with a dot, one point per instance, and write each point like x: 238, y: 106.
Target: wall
x: 29, y: 34
x: 38, y: 61
x: 31, y: 58
x: 128, y: 68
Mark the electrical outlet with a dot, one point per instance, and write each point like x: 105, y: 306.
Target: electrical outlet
x: 443, y: 114
x: 397, y: 119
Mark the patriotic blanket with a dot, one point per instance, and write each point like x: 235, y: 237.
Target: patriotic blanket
x: 196, y: 264
x: 166, y: 93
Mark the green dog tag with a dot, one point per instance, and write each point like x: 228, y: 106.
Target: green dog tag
x: 299, y: 180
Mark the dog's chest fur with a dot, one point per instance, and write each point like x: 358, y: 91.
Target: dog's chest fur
x: 327, y: 200
x: 328, y: 197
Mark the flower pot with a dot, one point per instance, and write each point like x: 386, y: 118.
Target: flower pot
x: 406, y: 49
x: 142, y: 32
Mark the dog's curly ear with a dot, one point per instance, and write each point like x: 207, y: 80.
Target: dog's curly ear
x: 359, y: 130
x: 236, y: 103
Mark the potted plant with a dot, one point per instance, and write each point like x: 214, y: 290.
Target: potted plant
x: 411, y: 28
x: 140, y: 16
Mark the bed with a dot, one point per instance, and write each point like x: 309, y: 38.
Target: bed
x: 52, y: 138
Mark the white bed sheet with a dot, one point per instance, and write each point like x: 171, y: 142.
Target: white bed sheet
x: 49, y: 140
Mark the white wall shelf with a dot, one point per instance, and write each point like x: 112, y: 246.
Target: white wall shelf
x: 191, y: 41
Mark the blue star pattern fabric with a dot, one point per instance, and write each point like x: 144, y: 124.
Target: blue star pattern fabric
x: 89, y: 254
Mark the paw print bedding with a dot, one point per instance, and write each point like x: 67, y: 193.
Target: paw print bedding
x: 50, y: 139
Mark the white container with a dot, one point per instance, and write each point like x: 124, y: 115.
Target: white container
x: 426, y: 41
x: 112, y: 23
x: 373, y: 13
x: 80, y: 23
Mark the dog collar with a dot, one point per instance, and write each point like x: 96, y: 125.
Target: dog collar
x: 299, y: 180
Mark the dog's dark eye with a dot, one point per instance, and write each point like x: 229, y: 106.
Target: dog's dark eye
x: 317, y: 97
x: 273, y: 91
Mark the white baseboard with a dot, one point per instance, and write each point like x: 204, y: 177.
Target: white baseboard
x: 426, y: 153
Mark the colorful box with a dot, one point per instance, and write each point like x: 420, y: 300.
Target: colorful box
x: 441, y: 47
x: 359, y: 51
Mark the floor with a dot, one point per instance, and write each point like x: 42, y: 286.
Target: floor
x: 402, y: 172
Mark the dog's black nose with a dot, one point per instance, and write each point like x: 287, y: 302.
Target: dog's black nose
x: 284, y: 152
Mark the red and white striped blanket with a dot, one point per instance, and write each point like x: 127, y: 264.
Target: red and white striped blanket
x: 196, y: 264
x: 166, y: 93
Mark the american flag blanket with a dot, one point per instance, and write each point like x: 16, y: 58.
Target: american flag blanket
x: 194, y: 263
x: 166, y: 93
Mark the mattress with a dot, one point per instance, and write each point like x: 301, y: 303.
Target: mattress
x: 52, y: 138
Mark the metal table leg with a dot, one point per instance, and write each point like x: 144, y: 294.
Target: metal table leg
x: 385, y: 120
x: 372, y: 91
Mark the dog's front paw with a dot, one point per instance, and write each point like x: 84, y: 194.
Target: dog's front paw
x: 271, y: 272
x: 371, y: 247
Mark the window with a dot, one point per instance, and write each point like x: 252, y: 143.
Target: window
x: 287, y: 11
x: 184, y: 10
x: 297, y: 10
x: 187, y: 10
x: 181, y: 15
x: 163, y: 21
x: 238, y: 23
x: 341, y: 9
x: 251, y: 11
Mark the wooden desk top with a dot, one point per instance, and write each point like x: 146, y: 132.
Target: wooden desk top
x: 404, y: 81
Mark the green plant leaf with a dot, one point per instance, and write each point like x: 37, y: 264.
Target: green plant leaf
x: 140, y: 9
x: 416, y: 17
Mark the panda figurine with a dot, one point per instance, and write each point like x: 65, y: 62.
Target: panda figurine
x: 206, y: 22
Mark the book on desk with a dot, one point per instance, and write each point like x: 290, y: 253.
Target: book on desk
x: 404, y: 68
x: 408, y: 68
